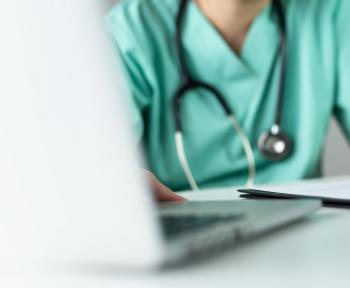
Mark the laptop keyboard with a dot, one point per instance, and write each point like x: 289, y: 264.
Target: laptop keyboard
x: 179, y: 224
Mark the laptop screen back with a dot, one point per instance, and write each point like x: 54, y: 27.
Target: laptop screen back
x: 69, y: 172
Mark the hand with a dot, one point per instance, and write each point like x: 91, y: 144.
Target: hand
x: 161, y: 192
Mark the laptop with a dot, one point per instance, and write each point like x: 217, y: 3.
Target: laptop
x: 72, y: 190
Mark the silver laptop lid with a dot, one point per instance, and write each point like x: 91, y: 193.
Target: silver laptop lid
x: 69, y: 185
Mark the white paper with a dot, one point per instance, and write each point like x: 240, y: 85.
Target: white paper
x: 337, y: 188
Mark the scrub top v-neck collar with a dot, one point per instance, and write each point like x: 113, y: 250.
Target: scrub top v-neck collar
x: 211, y: 55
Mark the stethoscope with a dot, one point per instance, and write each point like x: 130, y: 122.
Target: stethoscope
x: 274, y: 144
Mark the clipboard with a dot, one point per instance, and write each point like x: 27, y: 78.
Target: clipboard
x: 330, y: 192
x: 261, y: 194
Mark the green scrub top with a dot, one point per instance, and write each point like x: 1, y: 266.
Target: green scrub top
x: 317, y: 87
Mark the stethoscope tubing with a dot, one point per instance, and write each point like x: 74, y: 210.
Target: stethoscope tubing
x: 189, y: 84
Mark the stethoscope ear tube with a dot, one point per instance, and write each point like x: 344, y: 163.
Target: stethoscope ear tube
x: 283, y: 66
x: 178, y: 41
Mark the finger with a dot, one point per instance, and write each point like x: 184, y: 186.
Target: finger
x: 163, y: 193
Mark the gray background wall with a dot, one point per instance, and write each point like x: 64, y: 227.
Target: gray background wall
x: 337, y: 152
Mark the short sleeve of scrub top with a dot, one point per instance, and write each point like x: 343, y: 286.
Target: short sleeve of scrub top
x: 317, y: 87
x: 342, y: 32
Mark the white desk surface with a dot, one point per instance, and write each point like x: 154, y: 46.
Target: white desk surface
x: 312, y: 253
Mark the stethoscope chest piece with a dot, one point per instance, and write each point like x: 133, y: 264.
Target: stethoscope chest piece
x: 275, y: 145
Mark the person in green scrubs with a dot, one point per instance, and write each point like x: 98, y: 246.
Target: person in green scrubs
x: 233, y: 45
